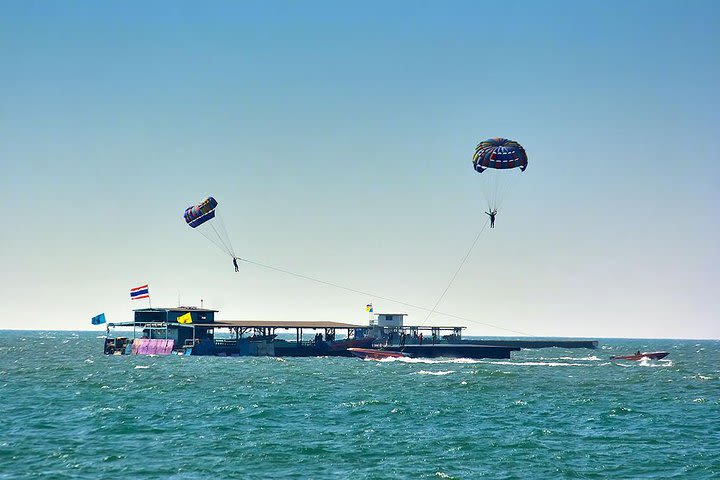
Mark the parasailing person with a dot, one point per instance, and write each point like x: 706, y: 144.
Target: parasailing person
x: 497, y: 160
x: 492, y: 214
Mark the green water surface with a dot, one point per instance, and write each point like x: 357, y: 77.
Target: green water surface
x: 69, y: 412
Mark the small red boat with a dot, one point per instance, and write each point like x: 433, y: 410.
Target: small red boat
x: 640, y: 356
x: 375, y: 354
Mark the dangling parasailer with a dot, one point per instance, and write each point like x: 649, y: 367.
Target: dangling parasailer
x: 202, y: 217
x: 497, y: 160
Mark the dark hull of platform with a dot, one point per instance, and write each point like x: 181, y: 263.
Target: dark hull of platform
x: 455, y: 351
x: 590, y: 344
x: 283, y: 348
x: 279, y: 348
x: 294, y: 350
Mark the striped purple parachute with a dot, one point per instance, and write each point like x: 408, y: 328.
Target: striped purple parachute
x: 499, y: 153
x: 196, y: 215
x: 199, y: 218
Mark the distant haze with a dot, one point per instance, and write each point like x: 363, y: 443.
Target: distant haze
x: 338, y: 140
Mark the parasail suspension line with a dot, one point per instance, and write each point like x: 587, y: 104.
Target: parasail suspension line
x: 227, y: 249
x: 508, y: 187
x: 214, y: 241
x: 224, y: 230
x: 372, y: 295
x: 452, y: 279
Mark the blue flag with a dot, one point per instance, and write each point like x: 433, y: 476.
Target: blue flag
x: 98, y: 319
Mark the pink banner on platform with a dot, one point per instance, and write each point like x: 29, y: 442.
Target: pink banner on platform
x: 152, y: 346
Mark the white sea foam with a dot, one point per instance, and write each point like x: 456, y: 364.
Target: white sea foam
x: 433, y: 361
x: 646, y: 362
x: 591, y: 358
x: 426, y: 372
x: 141, y: 367
x: 430, y: 360
x: 540, y: 364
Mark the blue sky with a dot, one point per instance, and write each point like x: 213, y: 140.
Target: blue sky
x: 337, y: 138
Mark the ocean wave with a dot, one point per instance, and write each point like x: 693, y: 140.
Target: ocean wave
x: 440, y: 373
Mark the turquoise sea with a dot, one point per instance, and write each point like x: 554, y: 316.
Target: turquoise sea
x: 70, y: 412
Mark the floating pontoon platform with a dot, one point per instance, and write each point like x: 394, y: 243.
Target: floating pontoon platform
x: 540, y: 343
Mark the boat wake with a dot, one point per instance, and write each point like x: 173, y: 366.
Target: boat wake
x: 431, y: 361
x: 544, y: 362
x: 591, y: 358
x: 537, y: 364
x: 540, y: 362
x: 646, y: 362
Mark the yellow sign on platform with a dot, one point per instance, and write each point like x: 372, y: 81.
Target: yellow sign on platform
x: 186, y: 318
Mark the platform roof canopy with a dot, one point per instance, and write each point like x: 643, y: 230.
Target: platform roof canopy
x: 281, y: 324
x: 252, y: 324
x: 304, y: 324
x: 430, y: 327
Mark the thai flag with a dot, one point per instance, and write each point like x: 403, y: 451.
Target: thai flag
x: 139, y: 292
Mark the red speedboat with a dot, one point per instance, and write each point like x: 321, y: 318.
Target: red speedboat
x: 640, y: 356
x: 375, y: 354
